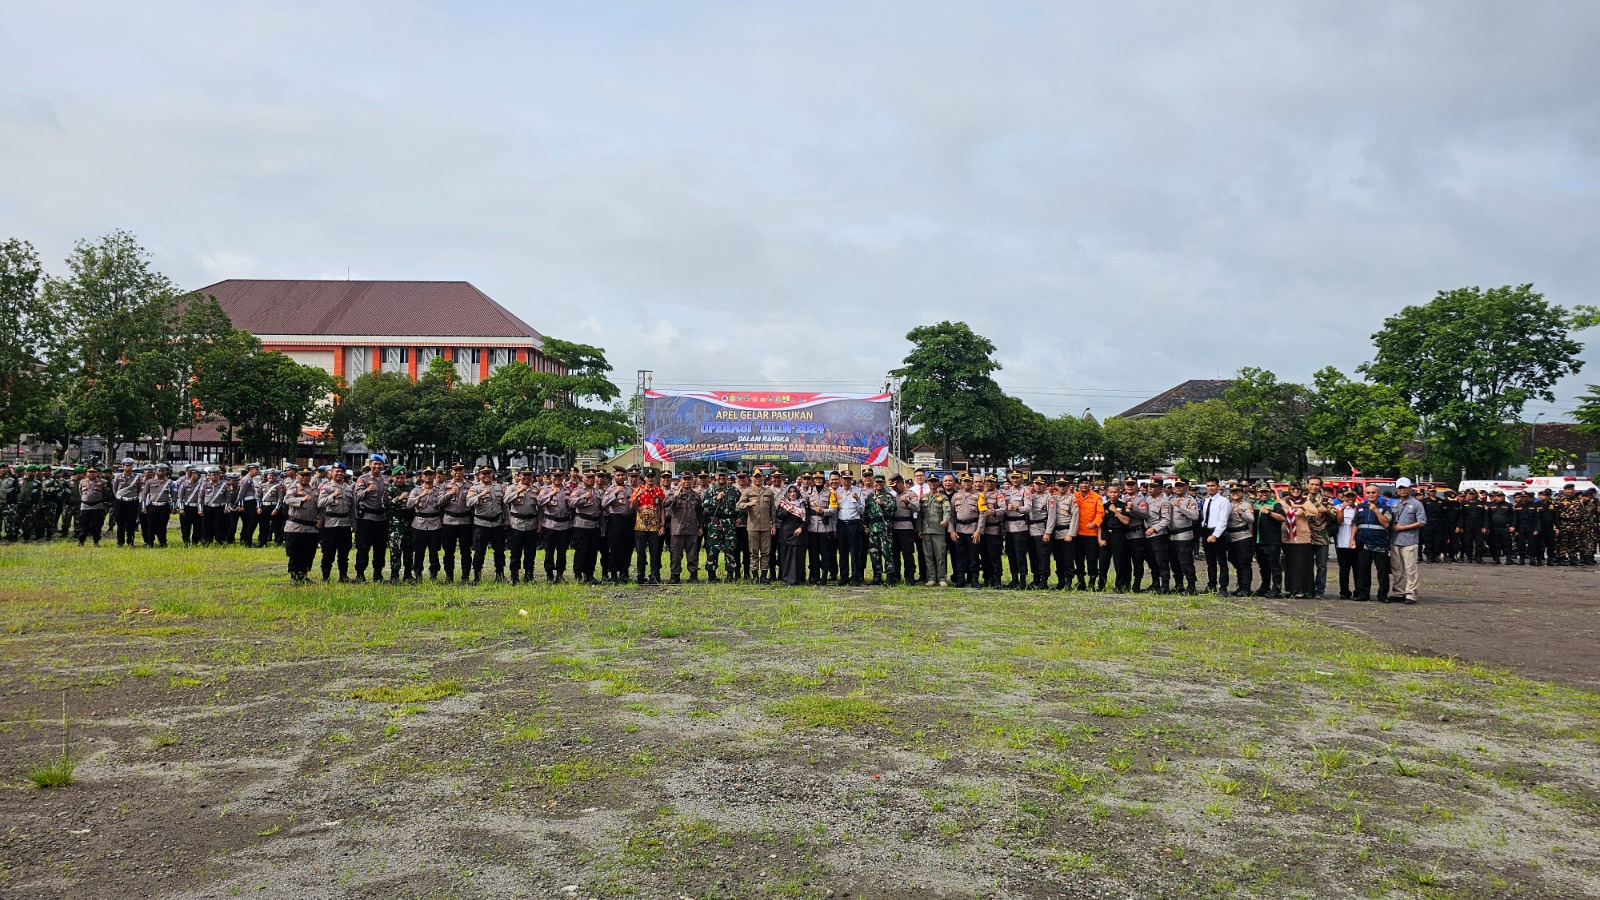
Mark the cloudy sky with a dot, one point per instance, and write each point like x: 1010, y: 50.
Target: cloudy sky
x: 750, y: 194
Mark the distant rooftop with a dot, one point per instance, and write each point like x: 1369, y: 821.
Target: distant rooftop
x: 1193, y: 391
x: 332, y: 307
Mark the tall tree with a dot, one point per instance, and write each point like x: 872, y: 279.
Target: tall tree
x: 1131, y: 445
x: 1208, y: 430
x: 1359, y: 425
x: 1065, y: 441
x: 381, y: 410
x: 199, y: 329
x: 1020, y: 434
x: 449, y: 413
x: 554, y: 411
x: 1588, y: 411
x: 27, y: 335
x: 115, y: 350
x: 1470, y: 359
x: 1272, y: 413
x: 948, y: 385
x: 268, y: 397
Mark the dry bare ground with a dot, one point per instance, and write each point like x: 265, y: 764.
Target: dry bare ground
x: 234, y: 736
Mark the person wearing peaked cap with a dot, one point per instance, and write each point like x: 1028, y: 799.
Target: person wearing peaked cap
x: 371, y: 498
x: 269, y: 518
x: 93, y: 494
x: 555, y: 524
x: 155, y: 507
x: 125, y: 486
x: 456, y: 531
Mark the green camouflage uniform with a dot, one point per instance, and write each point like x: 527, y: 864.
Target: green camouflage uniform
x: 721, y: 528
x: 880, y: 538
x: 70, y: 499
x: 9, y: 487
x: 48, y: 508
x: 399, y: 529
x: 27, y: 500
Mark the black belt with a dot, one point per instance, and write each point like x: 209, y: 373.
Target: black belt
x: 1038, y: 521
x: 302, y: 521
x: 425, y: 516
x: 524, y: 515
x: 158, y: 504
x: 961, y: 521
x: 587, y: 518
x: 559, y: 518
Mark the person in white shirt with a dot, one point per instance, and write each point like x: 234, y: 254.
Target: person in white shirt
x: 1344, y: 541
x: 1214, y: 510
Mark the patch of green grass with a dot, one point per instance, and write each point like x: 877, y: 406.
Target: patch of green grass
x: 53, y: 774
x: 406, y: 693
x: 824, y: 711
x: 1110, y: 708
x: 571, y: 772
x: 1332, y: 759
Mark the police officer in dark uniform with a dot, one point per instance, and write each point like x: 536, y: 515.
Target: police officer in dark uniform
x: 1433, y: 531
x: 1474, y: 533
x: 1497, y: 526
x: 1450, y: 526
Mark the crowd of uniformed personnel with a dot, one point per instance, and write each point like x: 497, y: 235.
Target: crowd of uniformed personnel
x: 824, y: 528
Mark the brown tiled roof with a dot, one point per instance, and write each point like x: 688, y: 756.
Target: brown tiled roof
x: 314, y: 307
x: 1193, y: 391
x: 1563, y: 436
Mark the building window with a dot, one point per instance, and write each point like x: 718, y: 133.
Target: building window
x: 501, y: 356
x: 467, y: 364
x: 357, y: 362
x: 425, y: 358
x: 396, y: 359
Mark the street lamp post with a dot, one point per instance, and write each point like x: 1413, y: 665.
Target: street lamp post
x: 1094, y: 460
x: 1206, y: 462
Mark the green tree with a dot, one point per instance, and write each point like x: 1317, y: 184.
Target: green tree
x: 381, y: 410
x: 199, y: 329
x: 1359, y: 425
x: 1210, y: 429
x: 449, y: 414
x: 948, y: 385
x: 115, y: 348
x: 554, y: 411
x: 1065, y: 441
x: 27, y: 337
x: 1588, y: 411
x: 267, y: 397
x: 1019, y: 434
x: 1469, y: 360
x: 1131, y: 445
x: 1272, y: 413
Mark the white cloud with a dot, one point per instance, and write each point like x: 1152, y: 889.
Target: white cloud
x: 1120, y: 197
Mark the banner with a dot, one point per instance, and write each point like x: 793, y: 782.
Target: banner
x: 776, y: 426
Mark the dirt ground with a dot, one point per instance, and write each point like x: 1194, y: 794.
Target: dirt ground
x: 1536, y: 621
x: 238, y: 737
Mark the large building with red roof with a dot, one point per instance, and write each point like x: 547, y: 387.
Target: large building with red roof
x: 352, y: 327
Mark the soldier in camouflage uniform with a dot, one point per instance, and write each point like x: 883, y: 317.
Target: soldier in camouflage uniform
x: 48, y: 508
x: 400, y: 526
x: 877, y: 516
x: 1569, y: 527
x: 10, y: 484
x: 720, y: 502
x: 66, y: 520
x: 1591, y: 528
x: 27, y: 502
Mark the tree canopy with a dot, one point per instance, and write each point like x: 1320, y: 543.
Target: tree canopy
x: 27, y: 335
x: 948, y: 385
x: 1469, y: 361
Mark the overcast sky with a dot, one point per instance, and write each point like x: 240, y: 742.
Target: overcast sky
x: 1120, y: 196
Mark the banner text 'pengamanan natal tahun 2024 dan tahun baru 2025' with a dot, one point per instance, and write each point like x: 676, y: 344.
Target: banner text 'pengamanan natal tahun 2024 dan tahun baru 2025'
x: 766, y: 426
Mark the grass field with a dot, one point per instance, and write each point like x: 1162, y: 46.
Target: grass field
x: 238, y: 736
